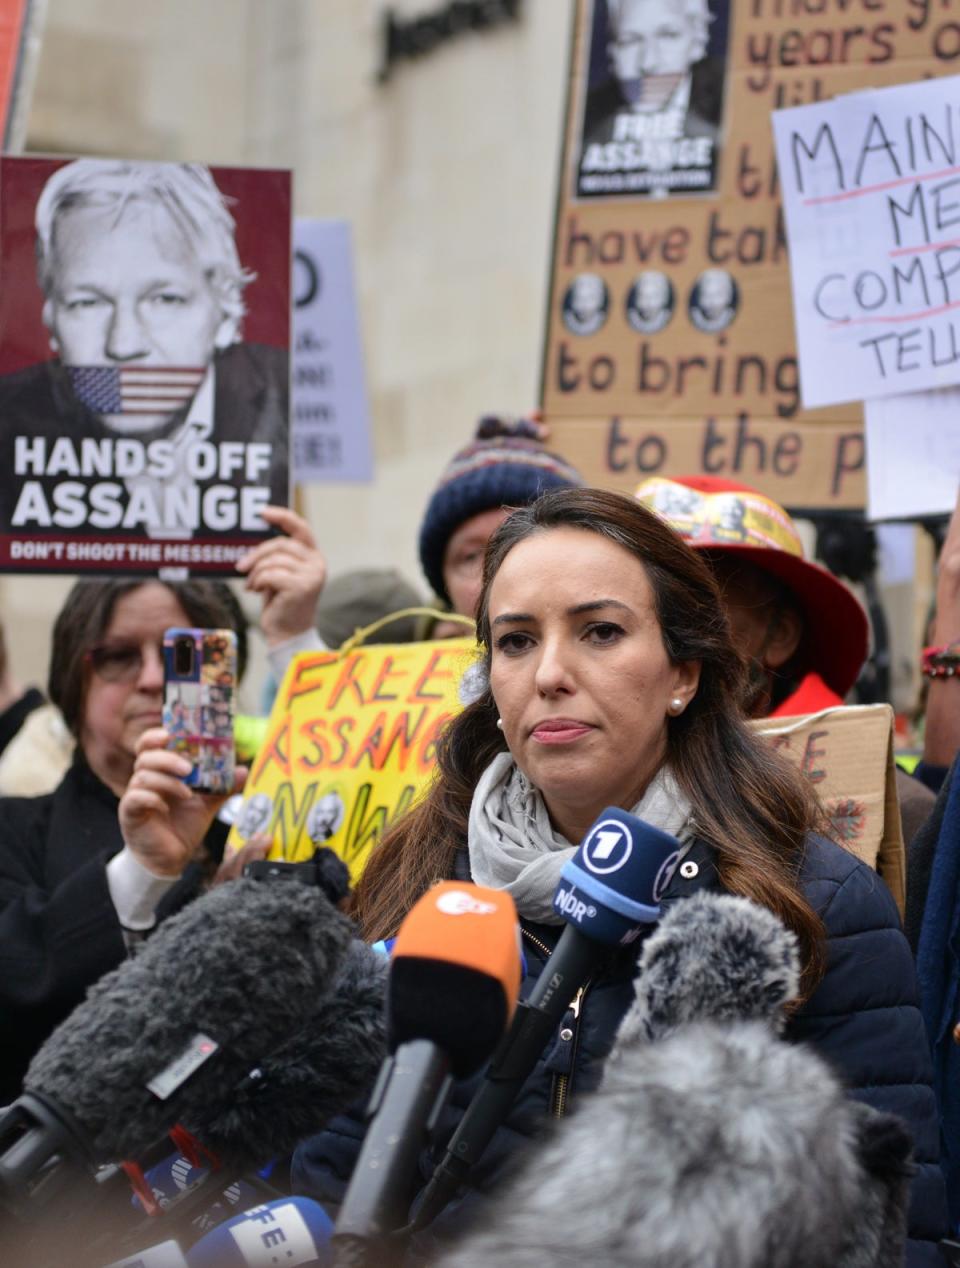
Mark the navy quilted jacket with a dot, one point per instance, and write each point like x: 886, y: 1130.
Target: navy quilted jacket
x: 863, y: 1019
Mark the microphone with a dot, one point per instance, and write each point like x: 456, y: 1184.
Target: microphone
x: 167, y: 1036
x: 317, y: 1072
x: 608, y: 893
x: 289, y: 1231
x: 452, y: 988
x: 699, y: 1094
x: 169, y: 1179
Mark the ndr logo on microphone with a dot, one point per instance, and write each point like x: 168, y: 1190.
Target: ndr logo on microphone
x: 608, y: 847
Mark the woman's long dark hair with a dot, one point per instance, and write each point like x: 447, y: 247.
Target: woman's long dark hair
x: 753, y: 808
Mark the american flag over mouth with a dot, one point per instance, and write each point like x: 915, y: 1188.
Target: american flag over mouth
x: 128, y: 389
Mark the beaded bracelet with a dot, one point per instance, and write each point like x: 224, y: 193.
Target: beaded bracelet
x: 941, y: 662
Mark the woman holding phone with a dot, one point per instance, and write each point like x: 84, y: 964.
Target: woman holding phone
x: 79, y: 882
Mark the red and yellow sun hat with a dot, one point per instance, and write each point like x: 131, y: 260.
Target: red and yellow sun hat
x: 722, y: 515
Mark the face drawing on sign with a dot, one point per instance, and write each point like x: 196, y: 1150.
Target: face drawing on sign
x: 139, y: 271
x: 652, y: 47
x: 254, y: 815
x: 585, y: 304
x: 655, y: 83
x: 650, y: 302
x: 714, y: 300
x: 325, y: 818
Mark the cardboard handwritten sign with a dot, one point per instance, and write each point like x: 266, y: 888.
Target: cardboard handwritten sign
x: 871, y: 187
x: 670, y: 345
x: 350, y: 744
x: 847, y: 755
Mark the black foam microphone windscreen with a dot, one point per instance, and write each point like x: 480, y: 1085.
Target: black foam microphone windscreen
x: 319, y: 1071
x: 216, y: 989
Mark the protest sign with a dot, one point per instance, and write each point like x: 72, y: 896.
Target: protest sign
x: 350, y: 744
x: 158, y: 427
x: 871, y: 187
x: 670, y: 344
x: 847, y: 755
x: 331, y: 420
x: 913, y: 454
x: 652, y: 130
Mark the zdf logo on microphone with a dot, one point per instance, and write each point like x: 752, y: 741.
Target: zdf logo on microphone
x: 608, y: 847
x: 457, y: 902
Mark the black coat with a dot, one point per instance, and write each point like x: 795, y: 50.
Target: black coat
x: 59, y: 930
x: 863, y: 1019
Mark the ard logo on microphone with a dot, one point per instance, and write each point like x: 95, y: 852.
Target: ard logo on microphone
x: 607, y: 848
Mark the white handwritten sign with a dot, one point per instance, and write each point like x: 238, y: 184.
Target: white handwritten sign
x: 913, y: 454
x: 871, y: 185
x: 331, y: 421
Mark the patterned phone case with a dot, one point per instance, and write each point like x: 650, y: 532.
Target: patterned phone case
x: 200, y: 682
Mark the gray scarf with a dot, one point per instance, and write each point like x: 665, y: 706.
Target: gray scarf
x: 513, y: 845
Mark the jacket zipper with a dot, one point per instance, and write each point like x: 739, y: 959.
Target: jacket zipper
x: 561, y: 1082
x: 560, y: 1089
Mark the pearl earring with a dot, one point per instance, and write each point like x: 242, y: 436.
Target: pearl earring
x: 676, y: 705
x: 499, y: 724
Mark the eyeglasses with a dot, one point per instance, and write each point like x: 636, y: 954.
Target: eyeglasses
x: 118, y: 662
x: 466, y: 564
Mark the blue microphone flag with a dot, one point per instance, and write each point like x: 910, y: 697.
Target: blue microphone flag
x: 612, y: 886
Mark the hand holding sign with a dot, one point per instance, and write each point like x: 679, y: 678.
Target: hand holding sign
x: 289, y: 572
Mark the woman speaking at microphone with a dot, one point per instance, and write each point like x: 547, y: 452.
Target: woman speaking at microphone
x: 611, y: 680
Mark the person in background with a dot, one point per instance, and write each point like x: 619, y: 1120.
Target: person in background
x: 504, y: 466
x: 78, y: 883
x: 351, y: 602
x: 39, y: 755
x: 16, y: 704
x: 933, y: 871
x: 940, y: 665
x: 28, y: 723
x: 803, y: 633
x: 361, y: 597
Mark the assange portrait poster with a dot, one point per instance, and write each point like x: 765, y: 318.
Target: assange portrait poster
x: 653, y: 108
x: 144, y: 363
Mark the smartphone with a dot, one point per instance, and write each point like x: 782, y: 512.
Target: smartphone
x: 199, y: 690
